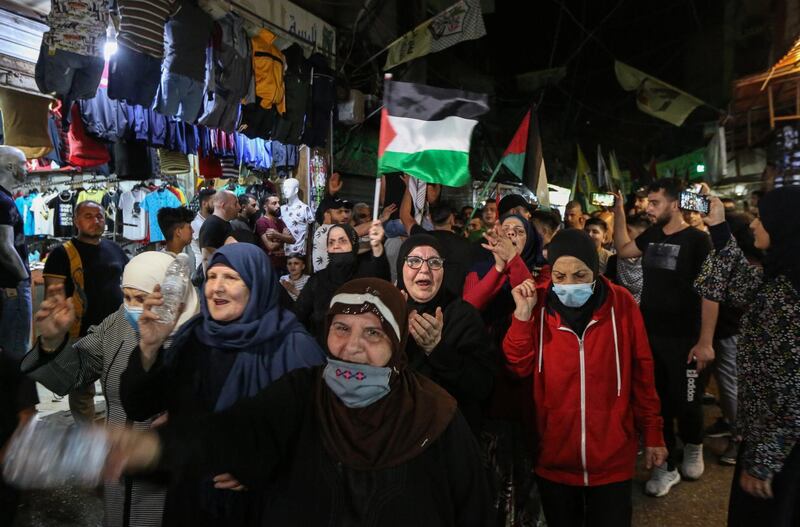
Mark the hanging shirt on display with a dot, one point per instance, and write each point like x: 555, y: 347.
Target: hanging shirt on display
x: 24, y: 205
x: 134, y: 225
x: 95, y: 195
x: 42, y: 218
x: 78, y: 26
x: 63, y: 207
x: 154, y: 202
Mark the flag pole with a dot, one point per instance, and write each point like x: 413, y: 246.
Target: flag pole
x: 376, y: 200
x: 486, y: 188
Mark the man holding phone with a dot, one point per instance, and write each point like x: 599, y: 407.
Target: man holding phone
x: 680, y: 325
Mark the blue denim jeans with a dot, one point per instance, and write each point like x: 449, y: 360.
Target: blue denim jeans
x: 394, y: 228
x: 15, y: 319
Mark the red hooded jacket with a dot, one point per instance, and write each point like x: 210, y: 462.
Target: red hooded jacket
x: 593, y: 393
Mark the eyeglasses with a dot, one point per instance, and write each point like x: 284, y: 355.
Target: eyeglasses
x: 519, y: 231
x: 434, y: 262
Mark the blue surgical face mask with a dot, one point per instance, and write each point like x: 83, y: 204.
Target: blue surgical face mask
x: 573, y: 295
x: 132, y: 315
x: 357, y: 385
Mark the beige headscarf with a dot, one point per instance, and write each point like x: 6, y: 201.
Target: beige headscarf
x: 147, y: 269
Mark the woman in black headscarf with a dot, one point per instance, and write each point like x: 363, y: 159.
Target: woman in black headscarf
x: 361, y: 441
x: 344, y: 264
x: 766, y: 482
x: 449, y: 343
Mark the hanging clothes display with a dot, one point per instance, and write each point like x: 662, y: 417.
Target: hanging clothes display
x: 173, y: 163
x: 42, y: 216
x: 23, y: 204
x: 25, y: 122
x: 63, y: 207
x: 104, y: 118
x: 71, y: 56
x: 323, y: 99
x: 186, y: 36
x: 228, y: 74
x: 93, y: 194
x: 134, y: 218
x: 154, y: 202
x: 84, y: 150
x: 135, y: 69
x: 289, y: 126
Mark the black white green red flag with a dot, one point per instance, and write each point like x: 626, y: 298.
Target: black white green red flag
x: 426, y: 131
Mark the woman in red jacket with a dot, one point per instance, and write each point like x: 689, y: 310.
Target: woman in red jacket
x: 584, y: 341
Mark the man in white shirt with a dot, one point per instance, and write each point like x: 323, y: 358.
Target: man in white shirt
x: 206, y: 210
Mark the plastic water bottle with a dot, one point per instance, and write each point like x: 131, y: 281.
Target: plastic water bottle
x: 45, y: 455
x: 174, y: 288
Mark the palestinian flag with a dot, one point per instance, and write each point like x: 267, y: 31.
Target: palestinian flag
x: 524, y: 159
x: 426, y: 131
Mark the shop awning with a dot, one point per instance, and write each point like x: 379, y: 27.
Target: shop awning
x: 763, y: 100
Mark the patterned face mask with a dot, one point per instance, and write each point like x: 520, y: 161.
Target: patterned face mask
x: 357, y: 385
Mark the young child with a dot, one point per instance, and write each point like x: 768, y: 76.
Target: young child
x: 296, y: 279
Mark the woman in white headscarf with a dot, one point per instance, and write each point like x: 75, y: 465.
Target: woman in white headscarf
x: 103, y: 355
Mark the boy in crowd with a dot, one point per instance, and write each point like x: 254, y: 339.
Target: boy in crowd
x: 597, y: 230
x: 176, y: 224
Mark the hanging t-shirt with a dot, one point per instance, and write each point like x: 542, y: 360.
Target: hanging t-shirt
x: 134, y: 224
x: 9, y: 215
x: 78, y: 26
x: 63, y: 207
x: 141, y: 25
x: 24, y: 205
x: 42, y: 218
x: 154, y: 202
x: 297, y: 219
x: 95, y: 195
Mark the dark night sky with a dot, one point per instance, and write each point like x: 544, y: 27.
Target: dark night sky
x: 588, y: 105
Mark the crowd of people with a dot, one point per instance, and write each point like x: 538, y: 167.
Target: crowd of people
x: 434, y: 366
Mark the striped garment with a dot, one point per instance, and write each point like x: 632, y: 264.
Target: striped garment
x: 141, y: 25
x: 103, y: 355
x: 229, y: 168
x: 172, y: 163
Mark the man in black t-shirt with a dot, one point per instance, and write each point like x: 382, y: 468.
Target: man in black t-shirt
x: 102, y: 262
x: 680, y: 325
x: 217, y: 227
x: 15, y: 285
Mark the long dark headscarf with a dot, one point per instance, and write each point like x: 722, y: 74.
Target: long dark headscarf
x: 401, y: 425
x: 260, y: 336
x: 778, y: 212
x: 342, y: 266
x: 442, y: 297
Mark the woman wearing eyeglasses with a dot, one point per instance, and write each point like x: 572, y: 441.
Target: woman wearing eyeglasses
x: 448, y: 343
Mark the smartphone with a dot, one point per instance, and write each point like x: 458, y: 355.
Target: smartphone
x: 695, y: 202
x: 603, y: 199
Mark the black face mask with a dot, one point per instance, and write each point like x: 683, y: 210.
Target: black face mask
x: 277, y: 212
x: 341, y: 259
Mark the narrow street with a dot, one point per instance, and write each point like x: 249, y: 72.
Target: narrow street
x: 701, y: 503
